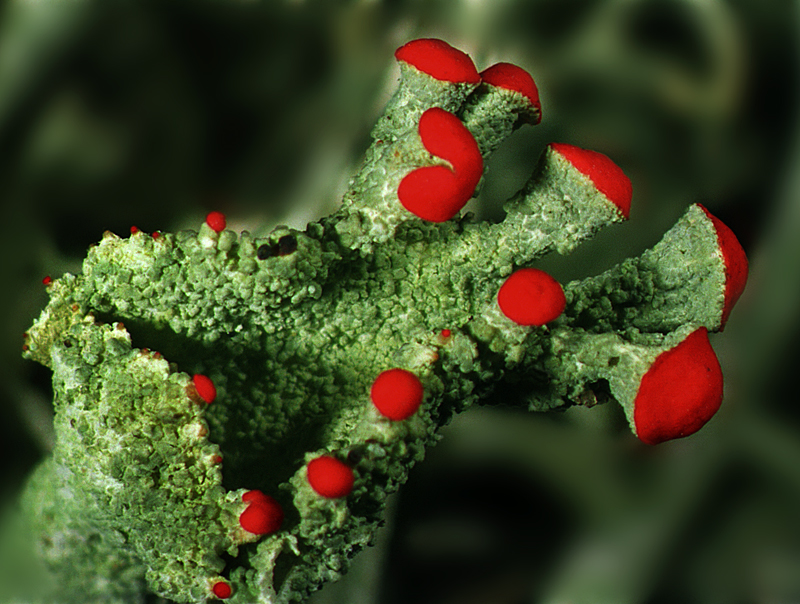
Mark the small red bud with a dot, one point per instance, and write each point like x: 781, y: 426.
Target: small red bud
x: 222, y: 590
x: 47, y: 280
x: 531, y: 297
x: 330, y: 477
x: 216, y: 220
x: 263, y: 516
x: 205, y: 387
x: 397, y: 394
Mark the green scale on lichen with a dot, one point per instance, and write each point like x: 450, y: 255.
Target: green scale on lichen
x: 293, y: 330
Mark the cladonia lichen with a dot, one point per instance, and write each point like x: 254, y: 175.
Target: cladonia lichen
x: 232, y: 412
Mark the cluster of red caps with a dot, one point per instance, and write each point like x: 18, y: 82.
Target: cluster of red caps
x: 683, y: 387
x: 438, y: 193
x: 679, y: 393
x: 396, y: 393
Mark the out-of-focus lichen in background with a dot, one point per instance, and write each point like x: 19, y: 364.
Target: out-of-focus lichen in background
x: 152, y: 113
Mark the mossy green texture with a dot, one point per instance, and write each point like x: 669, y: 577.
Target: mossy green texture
x: 143, y: 490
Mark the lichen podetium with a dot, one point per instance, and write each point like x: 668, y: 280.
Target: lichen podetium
x: 298, y: 377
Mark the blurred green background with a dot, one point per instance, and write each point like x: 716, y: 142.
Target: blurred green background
x: 116, y: 113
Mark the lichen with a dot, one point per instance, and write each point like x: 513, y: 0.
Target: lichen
x: 148, y: 483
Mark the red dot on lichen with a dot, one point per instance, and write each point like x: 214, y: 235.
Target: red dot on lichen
x: 134, y: 230
x: 531, y: 297
x: 437, y: 193
x: 216, y: 220
x: 606, y: 176
x: 680, y: 392
x: 397, y: 394
x: 47, y: 280
x: 446, y: 333
x: 511, y: 77
x: 736, y: 266
x: 439, y: 60
x: 205, y: 387
x: 263, y: 515
x: 330, y: 477
x: 222, y: 590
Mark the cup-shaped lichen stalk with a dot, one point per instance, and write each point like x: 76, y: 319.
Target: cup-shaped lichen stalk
x: 683, y: 388
x: 735, y: 262
x: 606, y: 176
x: 515, y: 79
x: 511, y: 87
x: 572, y: 194
x: 433, y: 74
x: 664, y: 372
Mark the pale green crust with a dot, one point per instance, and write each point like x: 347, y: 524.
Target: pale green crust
x: 143, y: 490
x: 492, y: 114
x: 680, y: 281
x: 417, y: 92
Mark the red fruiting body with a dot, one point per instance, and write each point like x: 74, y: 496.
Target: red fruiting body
x: 205, y: 387
x: 437, y: 193
x: 439, y: 60
x: 330, y: 477
x: 606, y: 176
x: 263, y: 516
x: 511, y: 77
x: 222, y: 590
x: 531, y: 297
x: 134, y: 230
x: 47, y: 280
x: 735, y: 261
x: 397, y: 394
x: 446, y: 333
x: 446, y: 136
x: 680, y: 392
x: 216, y: 220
